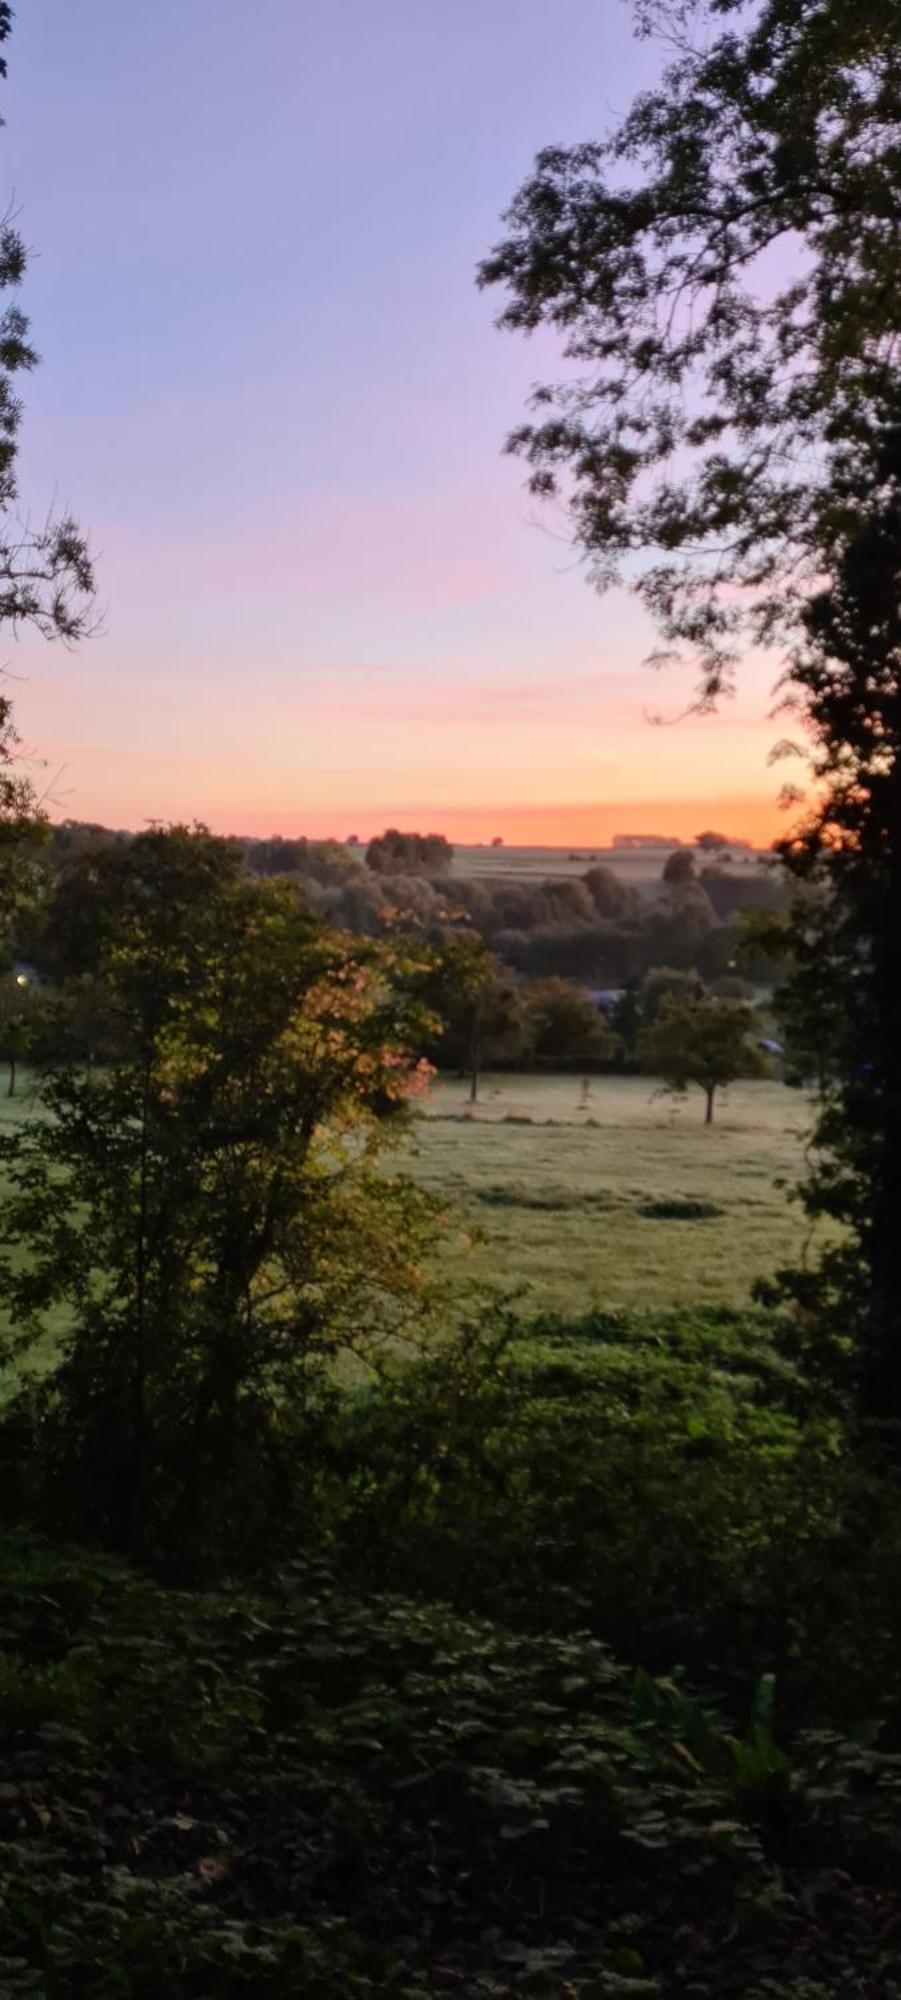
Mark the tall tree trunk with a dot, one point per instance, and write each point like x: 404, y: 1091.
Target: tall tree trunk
x: 709, y: 1090
x: 11, y: 1087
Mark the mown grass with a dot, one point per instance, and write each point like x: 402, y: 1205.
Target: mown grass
x: 629, y: 1201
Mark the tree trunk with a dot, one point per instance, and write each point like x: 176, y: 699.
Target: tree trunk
x: 709, y: 1089
x: 11, y: 1087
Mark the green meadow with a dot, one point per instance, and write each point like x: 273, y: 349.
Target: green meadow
x: 622, y: 1199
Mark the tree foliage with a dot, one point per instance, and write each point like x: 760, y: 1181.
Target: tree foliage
x: 204, y: 1216
x: 46, y: 572
x: 478, y: 1011
x: 564, y: 1026
x: 725, y: 270
x: 46, y: 576
x: 703, y: 1041
x: 395, y: 853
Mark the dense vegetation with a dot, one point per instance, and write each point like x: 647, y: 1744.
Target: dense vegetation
x: 405, y: 1759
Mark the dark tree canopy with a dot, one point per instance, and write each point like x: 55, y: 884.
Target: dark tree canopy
x: 680, y: 867
x: 564, y: 1025
x: 396, y: 853
x: 725, y: 270
x: 46, y: 575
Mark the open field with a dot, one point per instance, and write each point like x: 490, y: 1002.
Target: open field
x: 568, y: 1207
x: 565, y: 1206
x: 639, y: 867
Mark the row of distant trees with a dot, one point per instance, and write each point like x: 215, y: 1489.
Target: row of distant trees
x: 668, y: 1025
x: 480, y: 1010
x: 595, y: 929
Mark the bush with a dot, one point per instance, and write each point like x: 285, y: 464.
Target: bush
x: 306, y: 1790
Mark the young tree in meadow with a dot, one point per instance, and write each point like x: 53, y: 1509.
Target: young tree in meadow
x: 725, y: 273
x: 709, y: 1043
x: 205, y: 1216
x: 480, y: 1012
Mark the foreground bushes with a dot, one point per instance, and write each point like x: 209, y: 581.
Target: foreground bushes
x: 670, y: 1482
x: 308, y: 1791
x: 573, y: 1673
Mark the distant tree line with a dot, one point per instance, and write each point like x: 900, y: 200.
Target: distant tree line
x: 556, y: 974
x: 596, y: 929
x: 560, y: 973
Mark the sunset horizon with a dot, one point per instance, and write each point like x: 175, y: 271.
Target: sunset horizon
x: 319, y: 577
x: 553, y: 827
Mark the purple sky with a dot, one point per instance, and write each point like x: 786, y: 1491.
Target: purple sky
x: 271, y: 390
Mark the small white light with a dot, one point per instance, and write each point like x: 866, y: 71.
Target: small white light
x: 21, y: 979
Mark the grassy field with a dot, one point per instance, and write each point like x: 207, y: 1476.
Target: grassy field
x: 626, y: 1200
x: 630, y: 1201
x: 639, y: 867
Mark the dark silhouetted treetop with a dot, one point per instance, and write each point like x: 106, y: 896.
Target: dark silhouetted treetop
x: 564, y: 1025
x: 725, y: 270
x: 680, y: 867
x: 395, y: 853
x: 610, y: 895
x: 46, y: 574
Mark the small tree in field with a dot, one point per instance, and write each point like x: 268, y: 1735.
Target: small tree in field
x: 479, y: 1011
x: 704, y: 1042
x: 205, y: 1212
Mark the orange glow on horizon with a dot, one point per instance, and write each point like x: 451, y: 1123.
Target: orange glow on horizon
x: 757, y: 820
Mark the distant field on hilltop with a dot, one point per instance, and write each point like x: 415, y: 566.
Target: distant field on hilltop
x: 629, y: 1200
x: 640, y: 867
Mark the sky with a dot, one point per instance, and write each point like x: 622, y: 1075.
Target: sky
x: 273, y: 394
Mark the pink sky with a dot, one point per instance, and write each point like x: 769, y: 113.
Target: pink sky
x: 271, y: 390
